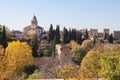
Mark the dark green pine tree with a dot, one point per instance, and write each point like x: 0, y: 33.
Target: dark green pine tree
x: 86, y: 34
x: 69, y: 35
x: 57, y: 35
x: 34, y: 45
x: 110, y: 38
x: 79, y: 37
x: 65, y: 36
x: 74, y: 34
x: 50, y: 33
x: 4, y: 39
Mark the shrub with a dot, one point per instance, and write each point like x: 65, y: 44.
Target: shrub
x: 47, y: 53
x: 78, y: 54
x: 29, y: 69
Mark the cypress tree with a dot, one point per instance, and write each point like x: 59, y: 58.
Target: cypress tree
x: 34, y: 45
x: 4, y: 39
x: 74, y: 34
x: 79, y: 37
x: 86, y: 34
x: 69, y: 35
x: 57, y: 35
x: 110, y: 38
x: 50, y: 33
x: 65, y: 36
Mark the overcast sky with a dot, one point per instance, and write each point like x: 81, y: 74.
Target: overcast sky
x: 16, y: 14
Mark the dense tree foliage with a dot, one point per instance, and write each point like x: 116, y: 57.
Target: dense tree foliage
x: 4, y: 38
x: 65, y: 36
x: 110, y: 38
x: 86, y: 34
x: 90, y: 65
x: 57, y: 34
x: 73, y: 36
x: 87, y: 45
x: 102, y: 61
x: 110, y: 63
x: 111, y: 67
x: 51, y: 33
x: 68, y: 72
x: 79, y: 37
x: 69, y: 35
x: 18, y: 54
x: 1, y: 50
x: 78, y: 52
x: 12, y: 65
x: 35, y: 45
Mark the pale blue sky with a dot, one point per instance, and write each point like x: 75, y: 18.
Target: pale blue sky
x: 17, y: 14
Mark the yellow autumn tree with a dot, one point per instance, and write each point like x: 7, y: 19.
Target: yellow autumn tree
x: 103, y: 61
x: 2, y: 62
x: 18, y: 55
x: 1, y: 50
x: 87, y: 44
x: 68, y: 72
x: 90, y: 65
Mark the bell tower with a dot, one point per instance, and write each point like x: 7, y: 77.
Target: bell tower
x: 34, y: 22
